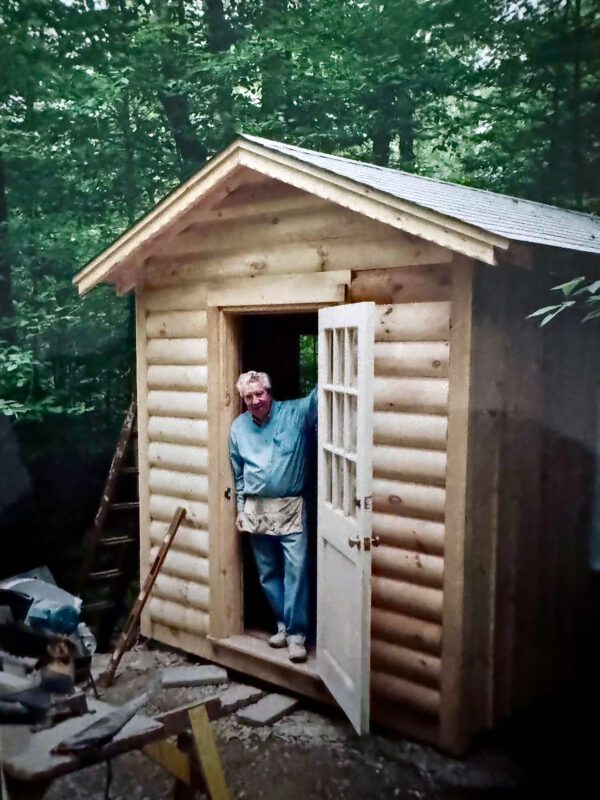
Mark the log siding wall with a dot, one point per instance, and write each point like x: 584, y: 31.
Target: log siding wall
x: 411, y: 395
x: 409, y: 471
x: 177, y: 461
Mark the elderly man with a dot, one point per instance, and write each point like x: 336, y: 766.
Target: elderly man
x: 268, y: 450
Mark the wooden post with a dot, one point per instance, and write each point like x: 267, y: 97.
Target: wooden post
x: 453, y: 729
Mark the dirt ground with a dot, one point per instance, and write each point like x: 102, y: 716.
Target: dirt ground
x: 314, y: 753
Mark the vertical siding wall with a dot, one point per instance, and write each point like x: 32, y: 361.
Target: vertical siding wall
x: 177, y: 435
x: 534, y: 394
x: 409, y: 463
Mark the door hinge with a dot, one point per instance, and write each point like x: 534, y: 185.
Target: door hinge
x: 368, y: 502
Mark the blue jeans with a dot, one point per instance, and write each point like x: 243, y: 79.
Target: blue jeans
x: 282, y: 563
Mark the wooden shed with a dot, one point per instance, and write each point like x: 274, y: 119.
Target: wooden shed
x: 456, y: 447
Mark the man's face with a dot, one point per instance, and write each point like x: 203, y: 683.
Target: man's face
x: 258, y: 401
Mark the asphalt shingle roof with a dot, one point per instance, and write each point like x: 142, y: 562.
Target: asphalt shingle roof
x: 511, y: 217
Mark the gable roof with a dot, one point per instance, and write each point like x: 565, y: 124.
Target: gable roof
x: 510, y: 217
x: 474, y: 222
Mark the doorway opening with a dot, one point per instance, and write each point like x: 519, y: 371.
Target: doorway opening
x: 284, y: 346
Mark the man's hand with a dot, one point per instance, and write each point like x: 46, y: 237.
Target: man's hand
x: 242, y: 521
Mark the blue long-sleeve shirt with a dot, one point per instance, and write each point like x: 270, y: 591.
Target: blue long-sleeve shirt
x: 269, y: 460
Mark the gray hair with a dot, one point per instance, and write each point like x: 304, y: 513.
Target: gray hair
x: 252, y: 377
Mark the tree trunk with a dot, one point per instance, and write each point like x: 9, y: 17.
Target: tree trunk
x: 406, y: 129
x: 220, y: 37
x: 176, y: 104
x: 7, y: 309
x: 130, y: 192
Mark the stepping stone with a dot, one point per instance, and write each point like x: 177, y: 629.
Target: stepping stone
x: 205, y: 675
x: 238, y: 696
x: 268, y: 710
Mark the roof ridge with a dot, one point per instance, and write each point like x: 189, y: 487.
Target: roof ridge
x: 378, y: 168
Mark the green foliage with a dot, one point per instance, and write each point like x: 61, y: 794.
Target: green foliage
x: 579, y: 294
x: 105, y: 105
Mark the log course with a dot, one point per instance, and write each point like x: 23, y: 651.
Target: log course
x: 178, y: 430
x: 405, y: 692
x: 409, y: 464
x: 179, y: 378
x: 419, y: 535
x: 307, y: 256
x: 409, y: 499
x: 162, y: 508
x: 182, y: 297
x: 180, y: 457
x: 179, y: 484
x: 176, y: 351
x: 393, y: 562
x: 401, y: 359
x: 192, y: 540
x: 416, y: 634
x: 426, y: 283
x: 394, y: 659
x: 423, y: 602
x: 176, y: 324
x: 267, y: 230
x: 410, y: 430
x: 184, y: 565
x: 175, y: 615
x: 177, y: 404
x: 413, y: 322
x: 186, y: 592
x: 411, y: 394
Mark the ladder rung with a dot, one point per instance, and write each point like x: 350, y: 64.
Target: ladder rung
x: 124, y: 506
x: 105, y: 575
x: 114, y: 541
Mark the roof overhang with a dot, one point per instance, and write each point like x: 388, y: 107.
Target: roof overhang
x: 121, y: 262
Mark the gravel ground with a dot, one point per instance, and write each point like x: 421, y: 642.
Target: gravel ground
x: 315, y: 754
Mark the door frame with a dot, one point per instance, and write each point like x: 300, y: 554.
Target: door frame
x: 226, y: 614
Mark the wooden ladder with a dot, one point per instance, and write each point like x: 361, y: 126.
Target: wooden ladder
x: 110, y: 558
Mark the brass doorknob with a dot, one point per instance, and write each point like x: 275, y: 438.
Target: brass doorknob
x: 375, y: 541
x: 354, y: 541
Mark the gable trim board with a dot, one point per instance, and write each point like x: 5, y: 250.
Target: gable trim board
x: 120, y: 262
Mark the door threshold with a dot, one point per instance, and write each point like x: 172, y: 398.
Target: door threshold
x: 255, y: 644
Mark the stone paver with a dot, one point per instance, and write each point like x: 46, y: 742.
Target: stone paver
x: 192, y: 676
x: 271, y: 708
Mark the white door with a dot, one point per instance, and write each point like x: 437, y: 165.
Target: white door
x: 346, y: 343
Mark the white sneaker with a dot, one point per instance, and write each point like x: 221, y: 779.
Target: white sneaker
x: 296, y: 649
x: 279, y: 639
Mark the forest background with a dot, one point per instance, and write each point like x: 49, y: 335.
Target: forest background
x: 106, y: 105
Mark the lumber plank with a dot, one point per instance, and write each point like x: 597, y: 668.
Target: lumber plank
x: 423, y: 283
x: 324, y: 287
x: 177, y: 351
x: 404, y: 429
x: 178, y: 430
x: 409, y: 464
x: 420, y: 535
x: 417, y: 634
x: 189, y: 539
x: 422, y: 359
x: 192, y: 405
x: 413, y: 322
x: 179, y: 457
x: 423, y: 602
x: 177, y: 324
x: 454, y: 725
